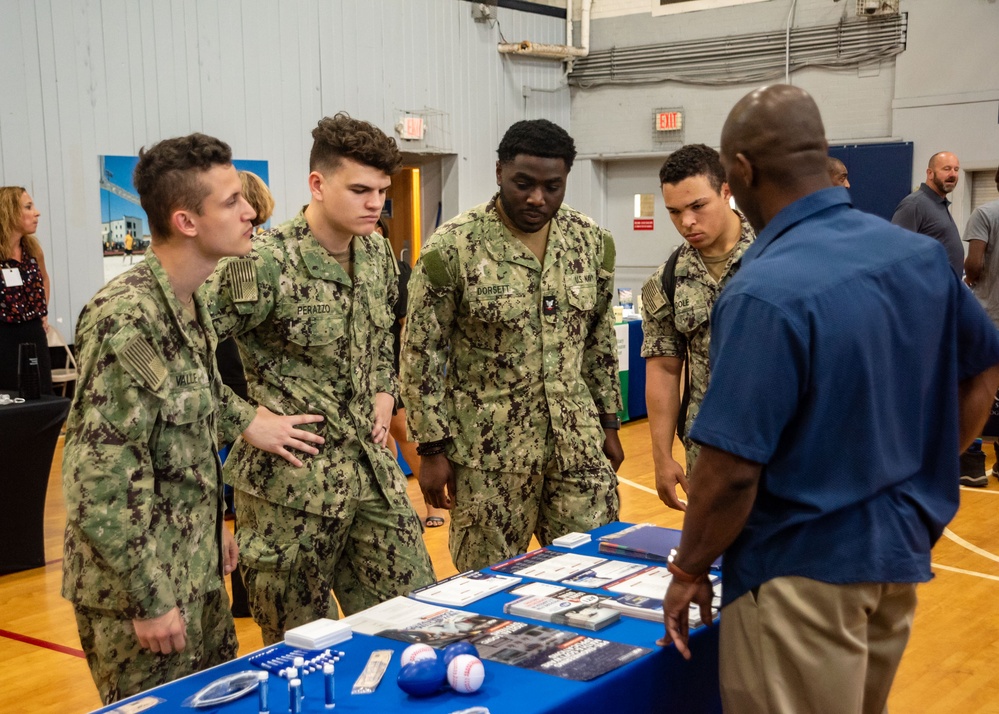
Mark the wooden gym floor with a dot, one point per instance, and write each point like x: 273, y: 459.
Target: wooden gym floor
x: 947, y: 667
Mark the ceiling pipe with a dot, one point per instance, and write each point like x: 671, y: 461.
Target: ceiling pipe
x: 564, y: 52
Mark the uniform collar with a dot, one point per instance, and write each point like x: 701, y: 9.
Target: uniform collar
x: 742, y: 244
x: 503, y: 246
x: 795, y: 213
x: 318, y: 261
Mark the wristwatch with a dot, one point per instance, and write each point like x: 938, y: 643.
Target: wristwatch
x: 610, y: 422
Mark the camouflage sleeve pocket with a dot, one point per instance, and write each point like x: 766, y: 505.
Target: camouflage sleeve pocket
x: 689, y: 318
x: 258, y: 553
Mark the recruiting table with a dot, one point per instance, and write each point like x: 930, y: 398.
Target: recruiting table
x: 631, y: 368
x: 661, y: 681
x: 28, y: 435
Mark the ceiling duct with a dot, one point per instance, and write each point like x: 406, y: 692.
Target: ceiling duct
x: 742, y: 59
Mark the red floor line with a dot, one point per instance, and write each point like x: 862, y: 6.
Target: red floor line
x: 57, y: 560
x: 41, y: 643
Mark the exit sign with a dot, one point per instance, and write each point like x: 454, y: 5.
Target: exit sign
x: 669, y: 121
x: 411, y: 128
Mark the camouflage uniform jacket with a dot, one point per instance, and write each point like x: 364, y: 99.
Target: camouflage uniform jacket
x: 668, y: 332
x: 312, y: 341
x: 141, y: 473
x: 485, y: 361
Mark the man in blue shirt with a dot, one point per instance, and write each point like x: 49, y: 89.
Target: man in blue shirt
x: 849, y: 368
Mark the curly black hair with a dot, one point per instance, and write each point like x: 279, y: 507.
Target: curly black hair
x: 168, y: 176
x: 537, y: 137
x: 693, y: 160
x: 341, y: 136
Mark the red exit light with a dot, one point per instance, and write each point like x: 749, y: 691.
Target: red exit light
x: 669, y: 121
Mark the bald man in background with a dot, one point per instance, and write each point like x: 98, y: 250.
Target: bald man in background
x: 837, y: 172
x: 927, y: 209
x: 828, y: 450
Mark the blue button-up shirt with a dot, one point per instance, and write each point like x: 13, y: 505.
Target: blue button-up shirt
x: 836, y: 355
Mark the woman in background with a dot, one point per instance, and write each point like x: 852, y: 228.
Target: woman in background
x: 24, y: 288
x: 257, y: 194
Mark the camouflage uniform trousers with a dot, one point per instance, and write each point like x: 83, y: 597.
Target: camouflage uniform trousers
x: 370, y: 551
x: 496, y: 512
x: 121, y: 668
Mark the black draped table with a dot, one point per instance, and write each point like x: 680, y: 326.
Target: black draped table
x: 28, y: 436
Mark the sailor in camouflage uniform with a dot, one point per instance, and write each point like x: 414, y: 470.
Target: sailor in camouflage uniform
x: 716, y: 236
x: 145, y: 547
x: 509, y: 361
x: 311, y: 310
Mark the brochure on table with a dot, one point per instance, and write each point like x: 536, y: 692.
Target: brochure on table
x: 550, y: 565
x: 527, y: 645
x: 644, y: 541
x: 465, y: 588
x: 562, y: 606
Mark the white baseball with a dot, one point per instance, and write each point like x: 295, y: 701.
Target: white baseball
x: 465, y: 673
x: 417, y: 652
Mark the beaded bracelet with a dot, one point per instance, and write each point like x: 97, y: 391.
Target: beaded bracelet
x: 432, y: 448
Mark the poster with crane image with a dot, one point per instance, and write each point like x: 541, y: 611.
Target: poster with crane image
x: 124, y: 225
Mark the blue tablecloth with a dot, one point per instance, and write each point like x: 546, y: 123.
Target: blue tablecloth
x: 636, y: 371
x: 661, y: 681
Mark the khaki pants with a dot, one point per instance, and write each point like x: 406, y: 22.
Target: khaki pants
x: 496, y: 512
x: 800, y: 646
x: 121, y: 668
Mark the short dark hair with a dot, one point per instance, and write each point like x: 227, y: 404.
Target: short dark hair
x: 341, y: 136
x: 693, y: 160
x: 168, y: 176
x: 537, y: 137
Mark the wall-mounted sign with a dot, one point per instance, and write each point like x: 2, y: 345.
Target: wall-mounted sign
x: 643, y: 224
x: 645, y: 205
x: 669, y: 121
x: 410, y: 127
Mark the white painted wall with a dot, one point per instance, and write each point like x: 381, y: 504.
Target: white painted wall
x: 856, y: 104
x: 82, y: 78
x: 947, y: 89
x: 638, y: 252
x: 941, y: 93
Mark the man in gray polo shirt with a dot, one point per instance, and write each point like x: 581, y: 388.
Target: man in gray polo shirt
x: 926, y: 211
x: 981, y: 267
